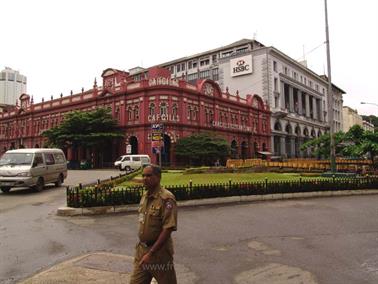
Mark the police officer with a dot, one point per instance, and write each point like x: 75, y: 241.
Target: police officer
x: 157, y: 220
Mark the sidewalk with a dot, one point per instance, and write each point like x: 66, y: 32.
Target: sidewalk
x: 99, y: 268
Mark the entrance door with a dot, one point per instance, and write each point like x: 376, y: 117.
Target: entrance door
x: 133, y: 141
x: 166, y: 151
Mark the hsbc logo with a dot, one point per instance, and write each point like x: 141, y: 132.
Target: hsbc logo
x: 240, y: 62
x: 241, y: 66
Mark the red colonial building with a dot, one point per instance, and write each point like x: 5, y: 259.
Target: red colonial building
x: 179, y: 107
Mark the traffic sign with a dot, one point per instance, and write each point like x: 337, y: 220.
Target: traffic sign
x: 157, y: 126
x: 157, y: 136
x: 128, y: 149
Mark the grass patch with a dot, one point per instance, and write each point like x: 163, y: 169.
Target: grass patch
x: 179, y: 178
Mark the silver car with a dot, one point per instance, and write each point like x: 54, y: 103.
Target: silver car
x: 32, y: 168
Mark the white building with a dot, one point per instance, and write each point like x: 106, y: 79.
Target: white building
x: 367, y: 126
x: 12, y: 85
x: 350, y: 118
x: 296, y: 95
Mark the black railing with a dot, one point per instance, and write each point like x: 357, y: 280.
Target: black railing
x: 108, y: 195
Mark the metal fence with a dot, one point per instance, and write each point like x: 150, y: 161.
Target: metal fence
x: 110, y: 196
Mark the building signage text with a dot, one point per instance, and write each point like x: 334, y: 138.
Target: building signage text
x: 163, y: 117
x: 241, y: 66
x: 163, y: 81
x: 231, y: 126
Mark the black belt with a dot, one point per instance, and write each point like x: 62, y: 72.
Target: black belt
x: 147, y: 244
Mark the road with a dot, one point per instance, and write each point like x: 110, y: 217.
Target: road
x: 320, y: 240
x: 23, y: 196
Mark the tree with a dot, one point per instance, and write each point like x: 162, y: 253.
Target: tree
x: 372, y: 119
x: 202, y: 149
x: 88, y: 129
x: 356, y: 143
x: 320, y: 146
x: 361, y: 143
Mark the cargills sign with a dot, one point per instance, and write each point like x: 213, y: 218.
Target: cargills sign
x: 241, y: 66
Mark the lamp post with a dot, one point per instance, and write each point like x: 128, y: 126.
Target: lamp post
x: 330, y: 97
x: 365, y: 103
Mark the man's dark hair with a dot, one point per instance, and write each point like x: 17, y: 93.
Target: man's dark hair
x: 156, y: 170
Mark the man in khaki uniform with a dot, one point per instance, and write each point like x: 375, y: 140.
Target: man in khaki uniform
x: 157, y: 220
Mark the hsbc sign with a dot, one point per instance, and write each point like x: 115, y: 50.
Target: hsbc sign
x: 241, y: 66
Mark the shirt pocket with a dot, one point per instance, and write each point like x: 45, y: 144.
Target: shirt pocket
x: 155, y: 217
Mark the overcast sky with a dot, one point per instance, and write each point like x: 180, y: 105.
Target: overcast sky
x: 64, y: 45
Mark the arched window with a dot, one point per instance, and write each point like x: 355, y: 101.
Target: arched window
x: 313, y: 133
x: 174, y: 110
x: 190, y: 112
x: 163, y: 109
x: 117, y: 114
x: 211, y: 116
x: 136, y: 113
x: 288, y: 129
x: 129, y: 113
x: 255, y: 123
x: 151, y: 109
x: 195, y: 113
x: 277, y: 126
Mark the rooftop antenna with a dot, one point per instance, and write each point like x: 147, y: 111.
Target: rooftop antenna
x: 304, y: 53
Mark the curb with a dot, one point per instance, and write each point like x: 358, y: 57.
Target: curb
x: 70, y: 211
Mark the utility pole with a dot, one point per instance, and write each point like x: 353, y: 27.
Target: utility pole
x: 330, y: 97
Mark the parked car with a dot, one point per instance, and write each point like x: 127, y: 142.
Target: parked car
x: 132, y: 162
x: 32, y: 168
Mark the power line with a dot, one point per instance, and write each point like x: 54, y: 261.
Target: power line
x: 312, y: 50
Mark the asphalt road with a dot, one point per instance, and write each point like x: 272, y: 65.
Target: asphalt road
x: 320, y: 240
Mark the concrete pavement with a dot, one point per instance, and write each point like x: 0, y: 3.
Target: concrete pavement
x: 106, y: 267
x: 99, y: 267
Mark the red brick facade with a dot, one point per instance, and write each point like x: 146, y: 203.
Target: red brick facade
x: 182, y: 108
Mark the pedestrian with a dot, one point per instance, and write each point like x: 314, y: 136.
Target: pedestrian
x: 157, y: 220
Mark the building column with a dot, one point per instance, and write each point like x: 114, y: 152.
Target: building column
x: 314, y: 108
x: 301, y: 153
x: 299, y: 94
x: 307, y: 105
x: 291, y: 99
x: 283, y: 146
x: 320, y: 112
x: 292, y: 146
x: 272, y: 150
x: 282, y: 94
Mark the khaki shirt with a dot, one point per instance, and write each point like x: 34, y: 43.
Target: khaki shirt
x: 156, y: 212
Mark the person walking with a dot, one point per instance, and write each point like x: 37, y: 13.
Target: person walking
x: 157, y: 220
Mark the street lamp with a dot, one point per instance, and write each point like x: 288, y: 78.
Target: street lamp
x: 330, y: 97
x: 365, y: 103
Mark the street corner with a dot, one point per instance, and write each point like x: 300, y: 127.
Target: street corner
x: 99, y: 267
x: 275, y: 273
x: 68, y: 211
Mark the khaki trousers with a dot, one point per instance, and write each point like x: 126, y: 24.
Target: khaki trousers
x: 161, y: 268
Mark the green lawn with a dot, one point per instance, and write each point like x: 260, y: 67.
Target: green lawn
x: 177, y: 178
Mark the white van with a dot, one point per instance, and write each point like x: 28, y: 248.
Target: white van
x: 32, y: 168
x: 132, y: 162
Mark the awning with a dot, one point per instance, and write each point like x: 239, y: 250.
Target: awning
x: 264, y: 153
